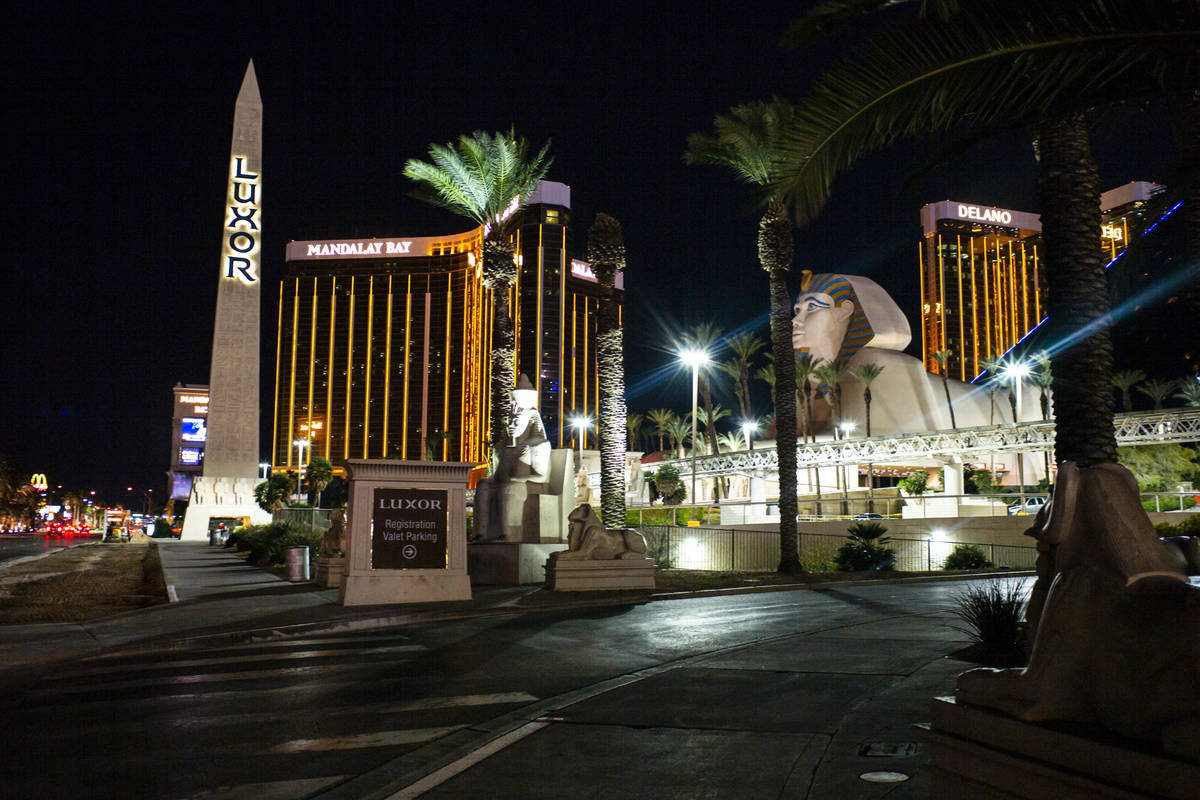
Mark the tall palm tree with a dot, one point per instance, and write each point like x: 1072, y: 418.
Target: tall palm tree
x: 942, y: 357
x: 1124, y: 380
x: 1043, y: 378
x: 481, y: 177
x: 744, y: 347
x: 680, y: 433
x: 606, y: 252
x: 746, y: 141
x: 766, y: 374
x: 660, y: 418
x: 1157, y: 390
x: 1006, y: 64
x: 805, y: 364
x: 831, y: 373
x: 633, y: 426
x: 709, y: 417
x: 866, y: 375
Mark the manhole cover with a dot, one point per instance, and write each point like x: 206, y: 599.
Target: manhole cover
x: 884, y: 777
x: 889, y: 749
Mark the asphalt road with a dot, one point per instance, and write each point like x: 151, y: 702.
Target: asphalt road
x: 298, y: 718
x: 13, y: 547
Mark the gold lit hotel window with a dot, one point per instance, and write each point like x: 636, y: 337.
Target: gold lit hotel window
x: 551, y: 216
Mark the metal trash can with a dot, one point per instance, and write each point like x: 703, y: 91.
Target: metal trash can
x: 297, y: 564
x: 214, y: 537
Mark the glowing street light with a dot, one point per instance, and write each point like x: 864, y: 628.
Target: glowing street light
x: 1016, y: 372
x: 848, y: 427
x: 581, y: 426
x: 749, y: 427
x: 303, y: 445
x: 265, y: 466
x: 694, y: 358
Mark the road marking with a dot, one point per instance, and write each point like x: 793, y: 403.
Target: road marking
x: 200, y: 662
x: 271, y: 790
x: 431, y: 703
x: 171, y: 595
x: 447, y: 772
x: 377, y: 739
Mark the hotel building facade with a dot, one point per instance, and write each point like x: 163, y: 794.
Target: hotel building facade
x: 983, y: 283
x: 382, y: 346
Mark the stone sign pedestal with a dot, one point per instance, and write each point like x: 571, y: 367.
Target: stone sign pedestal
x: 587, y: 575
x: 407, y: 532
x: 982, y: 753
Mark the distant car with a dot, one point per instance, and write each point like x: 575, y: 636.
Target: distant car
x: 116, y: 534
x: 869, y: 515
x: 1032, y: 505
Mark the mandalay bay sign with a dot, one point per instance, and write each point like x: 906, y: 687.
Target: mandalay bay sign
x: 239, y: 255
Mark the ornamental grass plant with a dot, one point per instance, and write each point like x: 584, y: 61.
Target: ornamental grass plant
x: 990, y: 615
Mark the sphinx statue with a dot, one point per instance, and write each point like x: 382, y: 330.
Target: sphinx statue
x: 852, y: 319
x: 1114, y: 622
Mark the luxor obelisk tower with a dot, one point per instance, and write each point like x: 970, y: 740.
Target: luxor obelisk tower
x: 226, y: 488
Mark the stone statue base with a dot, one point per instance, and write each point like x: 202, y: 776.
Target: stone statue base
x: 329, y: 571
x: 220, y: 498
x: 509, y: 563
x: 982, y: 753
x: 588, y: 575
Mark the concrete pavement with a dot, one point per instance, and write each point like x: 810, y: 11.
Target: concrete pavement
x: 802, y: 715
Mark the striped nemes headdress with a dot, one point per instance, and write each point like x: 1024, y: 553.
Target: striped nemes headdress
x: 858, y: 330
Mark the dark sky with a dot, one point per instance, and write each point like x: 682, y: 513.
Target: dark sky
x: 118, y: 140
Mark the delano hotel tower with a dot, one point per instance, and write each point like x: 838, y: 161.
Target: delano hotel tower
x: 983, y: 286
x: 383, y: 344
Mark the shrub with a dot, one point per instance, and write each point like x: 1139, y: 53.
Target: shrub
x: 267, y: 543
x: 1189, y: 527
x: 1168, y: 502
x: 865, y: 550
x: 916, y: 483
x: 668, y: 485
x: 967, y: 556
x: 162, y: 529
x: 991, y: 616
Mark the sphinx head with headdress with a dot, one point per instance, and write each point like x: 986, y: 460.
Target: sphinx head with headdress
x: 838, y: 315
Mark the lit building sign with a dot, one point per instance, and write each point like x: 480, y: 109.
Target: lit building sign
x: 38, y: 481
x: 985, y: 214
x: 1111, y: 232
x: 381, y: 247
x: 190, y: 455
x: 193, y: 398
x: 193, y: 430
x: 239, y: 253
x: 581, y: 269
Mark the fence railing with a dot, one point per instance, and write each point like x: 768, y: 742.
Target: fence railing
x: 723, y: 549
x: 318, y: 518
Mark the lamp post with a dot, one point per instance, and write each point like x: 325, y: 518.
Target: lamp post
x: 1016, y: 371
x: 749, y: 427
x: 848, y: 427
x: 694, y: 359
x: 581, y: 424
x: 265, y: 466
x: 302, y: 444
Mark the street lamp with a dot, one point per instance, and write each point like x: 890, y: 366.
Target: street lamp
x: 265, y: 466
x: 302, y: 444
x: 581, y: 425
x: 1015, y: 372
x: 749, y: 427
x: 695, y: 359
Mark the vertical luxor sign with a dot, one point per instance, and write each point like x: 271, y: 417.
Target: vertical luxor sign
x: 239, y: 255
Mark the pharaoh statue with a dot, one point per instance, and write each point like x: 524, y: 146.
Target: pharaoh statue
x: 851, y: 319
x: 523, y: 461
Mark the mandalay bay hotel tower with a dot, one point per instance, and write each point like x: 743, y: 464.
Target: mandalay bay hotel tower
x: 383, y: 344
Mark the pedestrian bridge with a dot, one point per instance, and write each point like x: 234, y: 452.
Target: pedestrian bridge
x: 1142, y: 428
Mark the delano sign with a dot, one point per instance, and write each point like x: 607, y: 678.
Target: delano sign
x: 409, y: 528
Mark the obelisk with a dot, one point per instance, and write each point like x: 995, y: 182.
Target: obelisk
x: 225, y: 490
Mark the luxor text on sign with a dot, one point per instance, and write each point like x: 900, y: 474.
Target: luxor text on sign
x: 409, y: 528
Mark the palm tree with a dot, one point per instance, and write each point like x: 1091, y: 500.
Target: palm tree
x: 1043, y: 378
x: 744, y: 347
x: 805, y: 364
x: 731, y: 442
x: 1005, y: 64
x: 747, y: 142
x: 709, y: 419
x: 766, y: 374
x: 633, y: 426
x: 831, y: 373
x: 866, y: 374
x: 481, y: 178
x: 319, y: 473
x: 272, y: 493
x: 942, y: 357
x: 1158, y: 390
x: 1125, y: 380
x: 606, y: 252
x: 660, y: 418
x: 680, y: 433
x: 1189, y: 391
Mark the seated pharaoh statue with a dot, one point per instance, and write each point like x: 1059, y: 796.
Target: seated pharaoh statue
x: 524, y: 469
x: 851, y: 319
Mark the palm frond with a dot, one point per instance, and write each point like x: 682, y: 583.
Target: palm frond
x: 994, y: 62
x: 745, y: 141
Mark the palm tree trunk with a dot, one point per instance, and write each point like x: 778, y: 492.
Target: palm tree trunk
x: 775, y: 254
x: 1069, y: 195
x: 949, y: 405
x: 610, y: 355
x: 497, y: 256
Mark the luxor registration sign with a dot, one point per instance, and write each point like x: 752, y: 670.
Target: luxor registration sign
x: 410, y: 528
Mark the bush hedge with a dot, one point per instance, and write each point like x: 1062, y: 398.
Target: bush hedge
x: 866, y: 550
x: 967, y: 556
x: 268, y: 544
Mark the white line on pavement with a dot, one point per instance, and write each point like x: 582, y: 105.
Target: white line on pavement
x: 447, y: 772
x: 377, y: 739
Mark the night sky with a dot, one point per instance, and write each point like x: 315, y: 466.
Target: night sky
x: 118, y: 143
